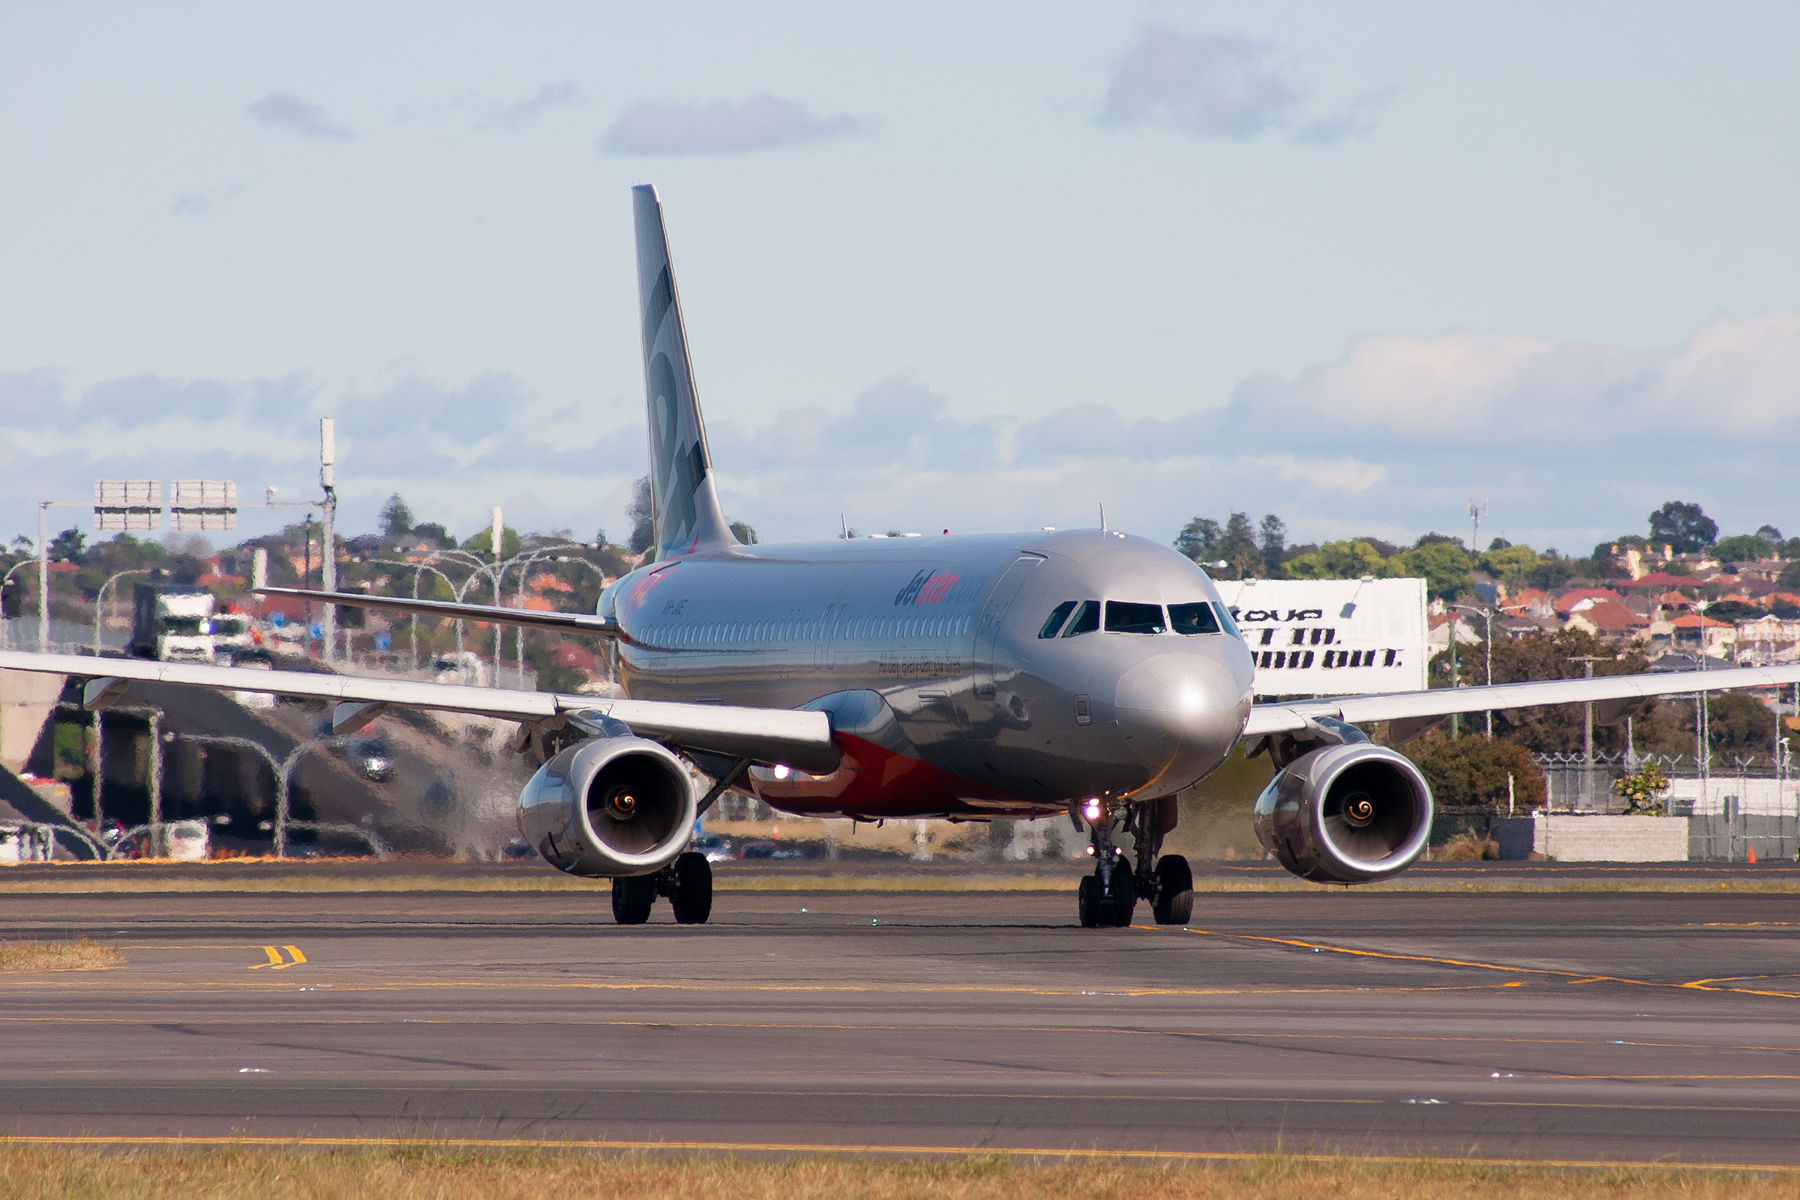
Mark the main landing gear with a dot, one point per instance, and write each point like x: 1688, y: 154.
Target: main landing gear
x: 687, y: 882
x: 1110, y: 894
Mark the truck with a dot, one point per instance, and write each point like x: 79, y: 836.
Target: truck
x: 172, y: 623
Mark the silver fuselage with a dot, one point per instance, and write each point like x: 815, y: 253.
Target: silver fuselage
x: 945, y: 698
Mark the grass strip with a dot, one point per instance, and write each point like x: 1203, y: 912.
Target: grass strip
x: 84, y: 883
x: 449, y: 1172
x: 78, y: 955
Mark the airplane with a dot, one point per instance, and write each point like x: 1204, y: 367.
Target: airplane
x: 1083, y: 672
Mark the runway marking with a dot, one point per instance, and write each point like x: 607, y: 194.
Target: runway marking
x: 1572, y: 977
x: 1082, y: 1153
x: 276, y: 961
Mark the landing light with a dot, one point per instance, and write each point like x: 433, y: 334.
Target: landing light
x: 780, y: 771
x: 1091, y: 810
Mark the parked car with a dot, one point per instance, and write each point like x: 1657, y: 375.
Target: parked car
x: 189, y: 841
x: 716, y: 847
x: 374, y: 758
x: 769, y: 849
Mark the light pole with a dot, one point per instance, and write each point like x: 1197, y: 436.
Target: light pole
x: 1487, y: 616
x: 524, y: 562
x: 5, y: 638
x: 44, y: 507
x: 284, y: 772
x: 100, y: 602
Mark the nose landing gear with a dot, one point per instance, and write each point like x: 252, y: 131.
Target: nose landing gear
x: 1109, y: 895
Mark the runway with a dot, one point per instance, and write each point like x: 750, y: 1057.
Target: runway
x: 1596, y: 1026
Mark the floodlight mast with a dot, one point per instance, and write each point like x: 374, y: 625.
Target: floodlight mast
x: 328, y: 546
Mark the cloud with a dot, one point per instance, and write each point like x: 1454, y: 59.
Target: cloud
x: 1569, y: 442
x: 1221, y: 86
x: 289, y: 111
x: 149, y: 399
x: 1207, y: 85
x: 1338, y: 474
x: 27, y: 397
x: 191, y: 205
x: 1355, y: 118
x: 760, y: 123
x: 526, y: 112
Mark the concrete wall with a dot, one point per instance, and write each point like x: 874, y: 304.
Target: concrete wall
x: 26, y: 698
x: 1584, y: 837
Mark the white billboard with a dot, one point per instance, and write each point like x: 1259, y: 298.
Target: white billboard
x: 127, y: 504
x: 203, y: 505
x: 1332, y: 637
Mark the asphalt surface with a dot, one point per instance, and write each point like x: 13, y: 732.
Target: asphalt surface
x: 1595, y: 1026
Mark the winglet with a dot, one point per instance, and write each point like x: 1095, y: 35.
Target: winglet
x: 684, y: 500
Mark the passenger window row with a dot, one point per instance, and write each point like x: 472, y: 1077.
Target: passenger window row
x: 1121, y: 616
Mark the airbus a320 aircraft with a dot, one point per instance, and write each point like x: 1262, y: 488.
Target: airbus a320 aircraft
x: 1084, y: 672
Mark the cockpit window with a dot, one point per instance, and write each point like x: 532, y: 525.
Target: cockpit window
x: 1054, y: 625
x: 1229, y: 624
x: 1193, y: 618
x: 1123, y: 617
x: 1087, y: 619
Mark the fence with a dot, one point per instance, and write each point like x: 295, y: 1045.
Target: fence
x: 1731, y: 810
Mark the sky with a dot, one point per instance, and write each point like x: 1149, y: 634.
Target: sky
x: 966, y: 267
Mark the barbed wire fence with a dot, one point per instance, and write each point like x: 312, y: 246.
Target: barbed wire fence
x: 1733, y: 806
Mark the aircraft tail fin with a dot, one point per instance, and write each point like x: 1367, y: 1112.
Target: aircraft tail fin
x: 683, y: 498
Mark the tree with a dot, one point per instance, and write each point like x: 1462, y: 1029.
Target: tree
x: 642, y: 515
x: 743, y: 533
x: 1790, y: 576
x: 1682, y: 527
x: 1238, y: 547
x: 396, y: 518
x: 435, y: 532
x: 1510, y: 562
x: 68, y: 545
x: 1199, y: 539
x: 1769, y: 534
x: 1473, y: 770
x: 1743, y: 547
x: 1273, y: 541
x: 1335, y: 560
x: 1551, y: 729
x: 1442, y: 564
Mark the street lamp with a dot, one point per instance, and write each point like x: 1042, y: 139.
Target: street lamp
x: 100, y: 602
x: 284, y: 772
x: 1487, y: 615
x: 5, y: 637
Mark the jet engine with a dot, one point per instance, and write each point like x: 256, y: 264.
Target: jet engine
x: 1346, y: 814
x: 609, y: 807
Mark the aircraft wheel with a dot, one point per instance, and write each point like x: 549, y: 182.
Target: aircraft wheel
x: 1174, y: 890
x: 1124, y: 898
x: 1088, y: 902
x: 692, y: 900
x: 632, y: 897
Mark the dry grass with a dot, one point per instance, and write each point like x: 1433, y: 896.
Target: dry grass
x: 78, y: 955
x: 1466, y: 847
x: 446, y: 1173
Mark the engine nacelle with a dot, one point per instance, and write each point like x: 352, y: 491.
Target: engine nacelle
x: 1346, y: 814
x: 609, y: 807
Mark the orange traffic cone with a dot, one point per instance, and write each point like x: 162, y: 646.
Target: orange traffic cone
x: 1751, y: 856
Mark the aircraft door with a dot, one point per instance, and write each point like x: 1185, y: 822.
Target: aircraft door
x: 993, y: 614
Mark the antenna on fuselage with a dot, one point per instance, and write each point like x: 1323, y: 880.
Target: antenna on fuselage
x: 846, y: 524
x: 1103, y: 516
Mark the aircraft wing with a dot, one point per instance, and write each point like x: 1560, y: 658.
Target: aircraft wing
x: 1414, y: 712
x: 766, y: 735
x: 530, y: 618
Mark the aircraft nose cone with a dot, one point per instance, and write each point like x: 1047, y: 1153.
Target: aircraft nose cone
x: 1179, y: 713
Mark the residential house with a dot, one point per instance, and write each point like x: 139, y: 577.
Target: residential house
x: 1609, y: 621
